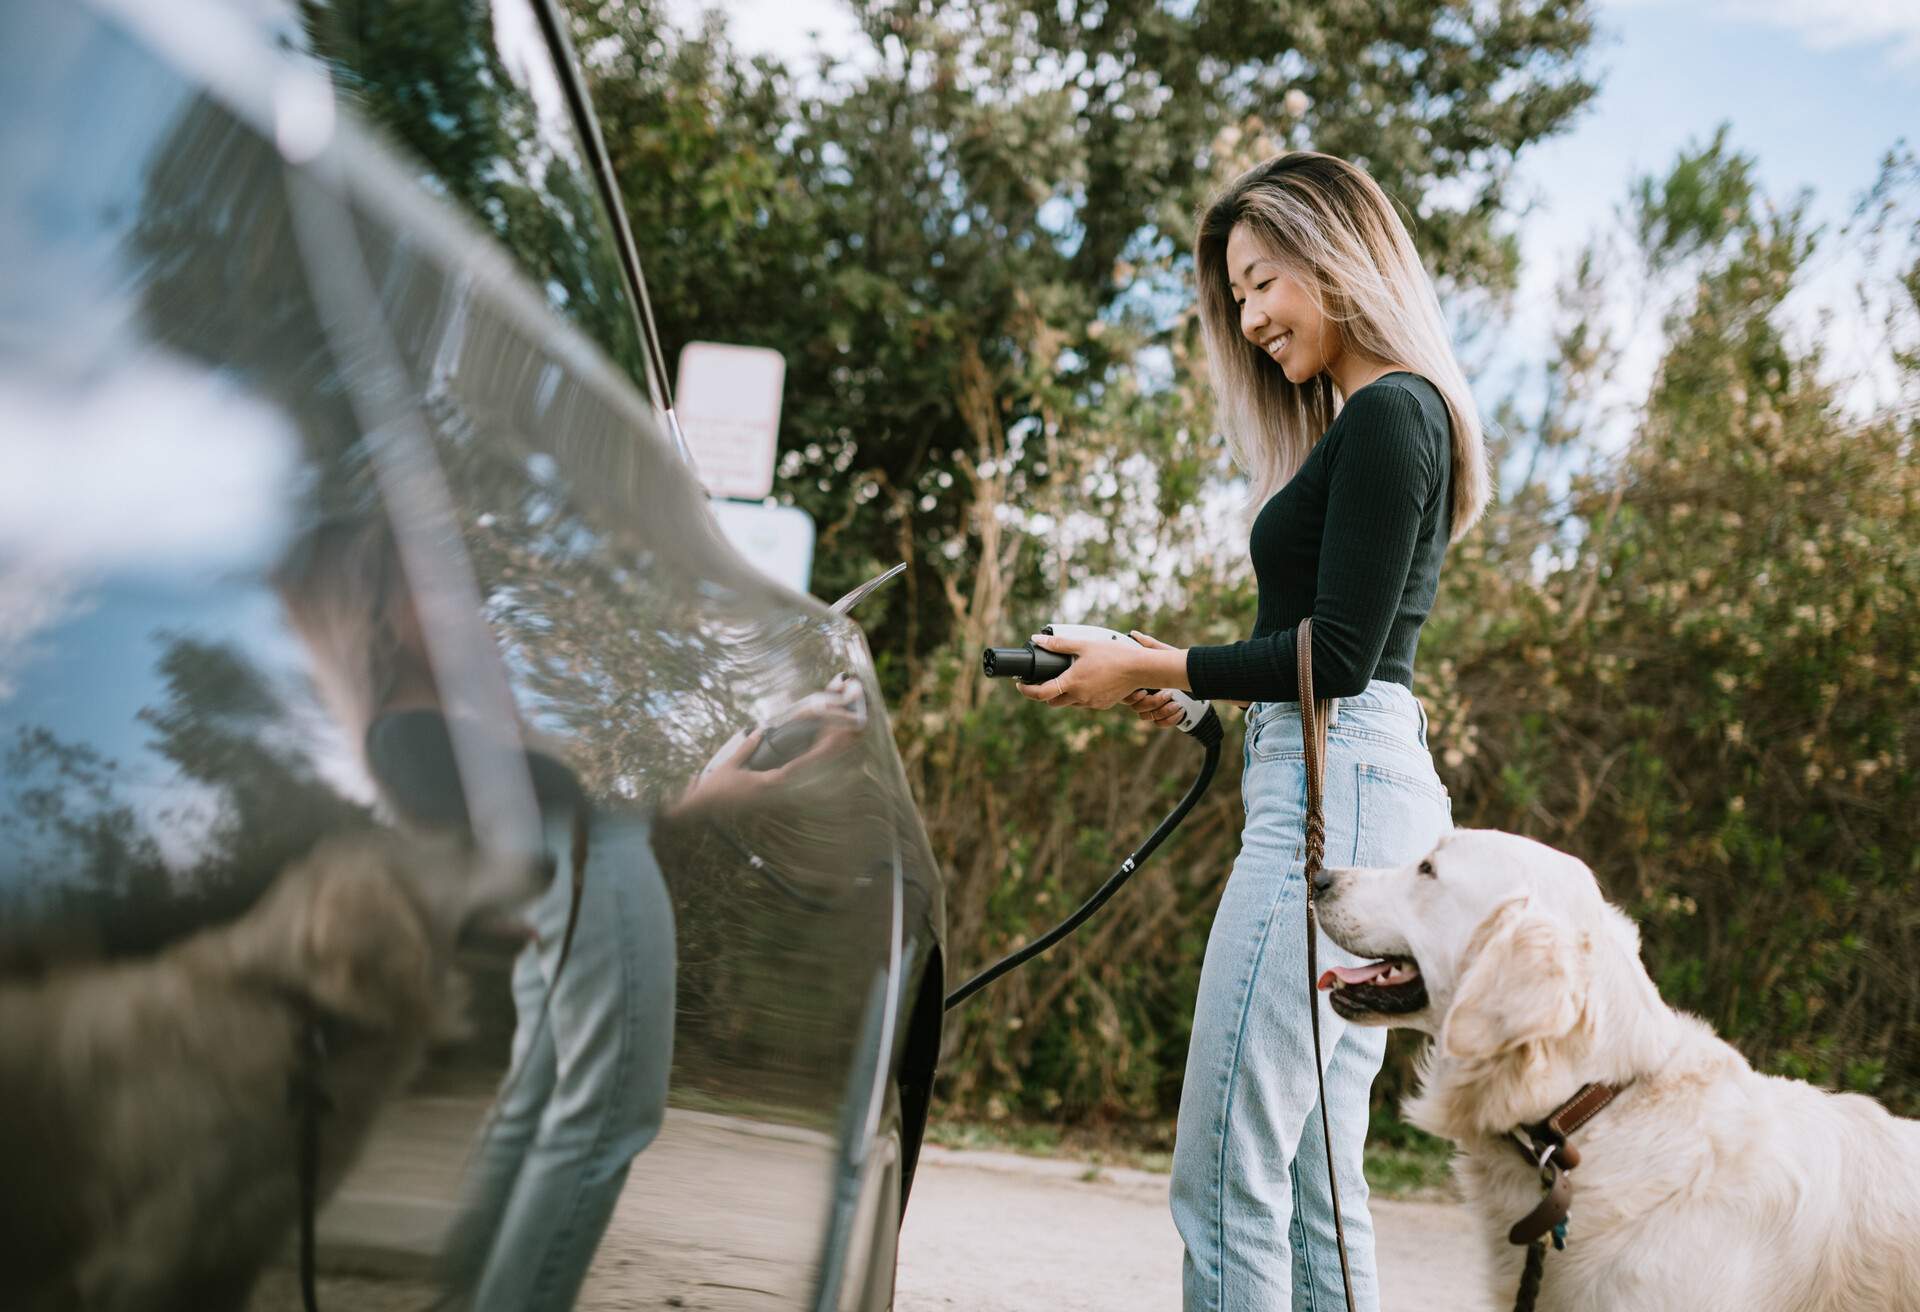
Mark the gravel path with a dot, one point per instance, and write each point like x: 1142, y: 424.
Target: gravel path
x: 995, y: 1232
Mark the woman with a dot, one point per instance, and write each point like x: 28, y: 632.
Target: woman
x: 1344, y: 406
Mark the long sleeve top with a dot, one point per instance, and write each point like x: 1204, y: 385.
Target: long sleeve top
x: 1354, y: 540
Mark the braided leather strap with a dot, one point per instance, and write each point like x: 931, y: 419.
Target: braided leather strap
x: 1313, y: 725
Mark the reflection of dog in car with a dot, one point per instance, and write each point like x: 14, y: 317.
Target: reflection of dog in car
x: 147, y: 1123
x: 1702, y: 1184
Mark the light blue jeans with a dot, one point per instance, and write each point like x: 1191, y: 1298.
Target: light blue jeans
x: 1249, y: 1165
x: 588, y: 1085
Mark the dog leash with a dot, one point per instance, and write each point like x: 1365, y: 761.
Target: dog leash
x: 1313, y: 726
x: 1544, y: 1145
x: 309, y: 1096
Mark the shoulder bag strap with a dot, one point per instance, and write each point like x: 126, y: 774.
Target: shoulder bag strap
x: 1313, y: 724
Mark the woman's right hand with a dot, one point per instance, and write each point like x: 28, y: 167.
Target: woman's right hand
x: 1156, y: 707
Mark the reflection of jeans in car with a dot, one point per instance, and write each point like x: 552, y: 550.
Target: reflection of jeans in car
x: 588, y: 1084
x: 1249, y: 1166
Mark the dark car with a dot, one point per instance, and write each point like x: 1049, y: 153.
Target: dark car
x: 341, y: 533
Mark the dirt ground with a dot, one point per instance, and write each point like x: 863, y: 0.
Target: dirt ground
x: 995, y: 1232
x: 721, y: 1215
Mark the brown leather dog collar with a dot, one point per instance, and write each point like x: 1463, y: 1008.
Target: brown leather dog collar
x: 1543, y: 1145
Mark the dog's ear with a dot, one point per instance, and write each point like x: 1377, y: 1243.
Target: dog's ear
x: 365, y: 952
x: 1524, y: 985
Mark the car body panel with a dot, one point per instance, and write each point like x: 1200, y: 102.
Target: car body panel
x: 261, y: 287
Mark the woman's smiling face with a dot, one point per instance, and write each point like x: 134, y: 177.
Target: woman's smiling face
x: 1277, y: 313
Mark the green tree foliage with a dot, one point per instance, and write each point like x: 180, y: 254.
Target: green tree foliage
x: 969, y: 241
x: 431, y: 76
x: 1715, y: 698
x: 962, y: 236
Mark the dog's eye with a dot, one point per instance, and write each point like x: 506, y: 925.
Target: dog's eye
x: 1426, y: 868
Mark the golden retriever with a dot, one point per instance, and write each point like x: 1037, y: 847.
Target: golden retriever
x: 1705, y: 1185
x: 147, y: 1116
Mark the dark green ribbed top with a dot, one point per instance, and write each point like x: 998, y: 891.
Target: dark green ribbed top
x: 1355, y: 540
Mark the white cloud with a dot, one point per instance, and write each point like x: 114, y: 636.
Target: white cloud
x: 160, y: 465
x: 1833, y: 24
x: 1893, y: 25
x: 33, y: 598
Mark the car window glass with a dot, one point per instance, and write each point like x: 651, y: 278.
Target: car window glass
x: 469, y: 90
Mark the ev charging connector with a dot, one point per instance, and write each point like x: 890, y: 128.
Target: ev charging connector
x: 1032, y: 664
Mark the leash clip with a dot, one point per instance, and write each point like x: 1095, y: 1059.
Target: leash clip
x: 1549, y: 1169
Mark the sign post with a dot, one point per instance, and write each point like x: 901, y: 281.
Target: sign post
x: 728, y: 402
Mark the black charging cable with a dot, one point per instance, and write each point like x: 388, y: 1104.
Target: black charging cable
x: 1209, y: 734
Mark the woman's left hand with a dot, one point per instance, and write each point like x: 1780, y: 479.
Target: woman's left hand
x: 729, y: 783
x: 1102, y: 673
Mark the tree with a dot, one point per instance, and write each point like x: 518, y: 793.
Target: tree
x: 1713, y: 695
x: 964, y: 238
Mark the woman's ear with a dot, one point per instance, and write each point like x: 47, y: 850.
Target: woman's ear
x: 1526, y: 984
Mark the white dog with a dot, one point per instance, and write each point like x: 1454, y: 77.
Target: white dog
x: 1704, y: 1185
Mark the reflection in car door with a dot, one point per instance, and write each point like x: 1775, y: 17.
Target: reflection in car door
x: 432, y: 306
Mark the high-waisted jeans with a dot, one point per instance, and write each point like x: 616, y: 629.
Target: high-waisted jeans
x: 588, y: 1085
x: 1249, y: 1165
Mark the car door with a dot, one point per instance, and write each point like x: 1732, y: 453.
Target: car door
x: 347, y: 264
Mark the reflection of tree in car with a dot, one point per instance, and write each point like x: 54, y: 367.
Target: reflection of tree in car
x: 623, y: 637
x: 92, y: 859
x: 432, y: 75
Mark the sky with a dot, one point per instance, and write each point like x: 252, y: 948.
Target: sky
x: 1817, y: 90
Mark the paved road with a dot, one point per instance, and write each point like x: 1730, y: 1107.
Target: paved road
x: 993, y: 1232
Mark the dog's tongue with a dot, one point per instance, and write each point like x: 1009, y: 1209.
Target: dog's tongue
x: 1355, y: 974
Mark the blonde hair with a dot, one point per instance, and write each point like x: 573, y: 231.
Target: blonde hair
x: 1333, y: 228
x: 342, y: 587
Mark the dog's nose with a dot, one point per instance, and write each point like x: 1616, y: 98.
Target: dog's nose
x: 1323, y: 882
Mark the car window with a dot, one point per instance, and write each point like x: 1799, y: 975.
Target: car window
x: 468, y: 88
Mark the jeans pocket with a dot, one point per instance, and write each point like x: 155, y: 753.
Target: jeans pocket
x: 1276, y: 736
x: 1399, y: 814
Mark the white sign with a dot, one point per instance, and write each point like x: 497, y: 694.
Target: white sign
x: 776, y: 540
x: 728, y: 400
